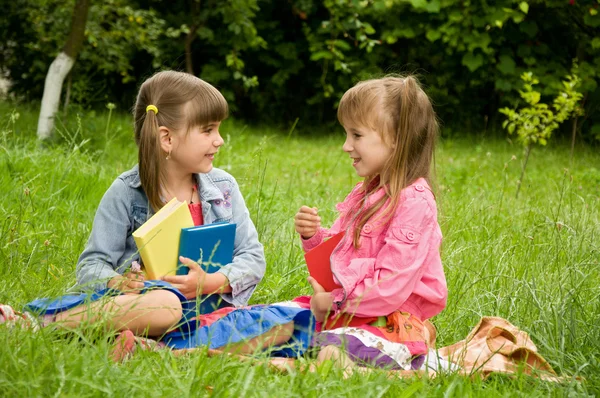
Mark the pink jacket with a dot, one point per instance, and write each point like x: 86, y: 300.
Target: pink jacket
x: 397, y: 266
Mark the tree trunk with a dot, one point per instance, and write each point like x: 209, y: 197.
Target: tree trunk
x: 573, y: 136
x: 574, y: 127
x: 527, y: 152
x: 60, y: 68
x: 191, y: 36
x: 189, y: 39
x: 67, y: 95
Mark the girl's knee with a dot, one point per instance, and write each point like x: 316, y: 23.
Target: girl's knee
x: 167, y: 308
x: 278, y: 335
x: 338, y: 357
x: 286, y: 330
x: 329, y: 352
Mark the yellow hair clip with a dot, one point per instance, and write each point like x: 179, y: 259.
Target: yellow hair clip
x: 152, y: 108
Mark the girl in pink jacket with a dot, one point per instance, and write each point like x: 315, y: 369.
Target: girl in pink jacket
x: 387, y: 265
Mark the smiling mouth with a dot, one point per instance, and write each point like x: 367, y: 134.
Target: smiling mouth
x: 355, y: 161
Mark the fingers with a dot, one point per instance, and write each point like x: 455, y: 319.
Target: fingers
x: 135, y: 285
x: 317, y: 288
x: 302, y: 223
x: 307, y: 221
x: 174, y: 279
x: 132, y: 283
x: 128, y: 286
x: 308, y: 214
x: 308, y: 210
x: 187, y: 284
x: 189, y: 263
x: 135, y: 276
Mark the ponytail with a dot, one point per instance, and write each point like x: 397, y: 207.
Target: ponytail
x: 149, y: 160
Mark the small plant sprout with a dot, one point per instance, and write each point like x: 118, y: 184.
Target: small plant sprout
x: 535, y: 122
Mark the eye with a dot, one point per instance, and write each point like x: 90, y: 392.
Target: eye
x: 356, y: 135
x: 208, y: 131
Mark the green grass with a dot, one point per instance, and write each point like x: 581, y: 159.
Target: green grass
x: 532, y: 260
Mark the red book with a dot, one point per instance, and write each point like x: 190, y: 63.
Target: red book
x: 317, y: 261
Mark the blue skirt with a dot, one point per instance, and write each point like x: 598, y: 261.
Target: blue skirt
x: 238, y: 325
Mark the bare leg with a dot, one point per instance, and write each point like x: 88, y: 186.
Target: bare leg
x: 153, y: 313
x: 339, y: 358
x: 276, y: 336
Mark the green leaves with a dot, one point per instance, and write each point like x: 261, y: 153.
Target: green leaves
x: 523, y: 6
x: 506, y: 65
x: 535, y: 123
x: 472, y: 61
x: 530, y: 28
x: 592, y: 18
x: 470, y: 53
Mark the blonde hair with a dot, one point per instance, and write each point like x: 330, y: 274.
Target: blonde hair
x: 183, y: 102
x: 399, y: 110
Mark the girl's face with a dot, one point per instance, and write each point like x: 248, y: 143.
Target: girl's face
x: 368, y: 150
x: 195, y: 151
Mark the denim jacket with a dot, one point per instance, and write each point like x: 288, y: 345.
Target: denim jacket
x: 124, y: 207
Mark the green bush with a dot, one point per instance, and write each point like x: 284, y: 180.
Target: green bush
x: 279, y: 61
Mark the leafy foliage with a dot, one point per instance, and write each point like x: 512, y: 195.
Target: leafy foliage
x: 280, y: 61
x: 535, y: 123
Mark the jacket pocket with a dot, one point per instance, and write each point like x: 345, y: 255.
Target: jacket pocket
x: 407, y: 235
x: 405, y: 241
x: 371, y: 238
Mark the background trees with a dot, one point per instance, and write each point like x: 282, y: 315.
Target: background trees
x: 281, y: 60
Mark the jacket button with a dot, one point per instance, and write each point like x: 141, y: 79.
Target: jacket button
x: 419, y: 188
x: 367, y: 228
x: 410, y: 236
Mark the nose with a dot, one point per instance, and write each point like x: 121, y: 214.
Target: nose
x: 218, y: 140
x: 347, y: 147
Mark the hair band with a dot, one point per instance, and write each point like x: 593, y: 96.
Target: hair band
x: 152, y: 108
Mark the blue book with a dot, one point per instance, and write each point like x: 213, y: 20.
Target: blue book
x: 211, y: 246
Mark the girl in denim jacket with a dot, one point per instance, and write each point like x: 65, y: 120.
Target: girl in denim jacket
x: 176, y: 121
x: 387, y: 265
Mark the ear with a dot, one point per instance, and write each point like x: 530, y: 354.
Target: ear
x: 391, y: 142
x: 166, y: 139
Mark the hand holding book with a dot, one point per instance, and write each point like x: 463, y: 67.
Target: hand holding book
x: 197, y: 281
x: 321, y: 301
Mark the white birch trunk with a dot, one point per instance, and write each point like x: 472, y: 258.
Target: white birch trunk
x: 59, y: 69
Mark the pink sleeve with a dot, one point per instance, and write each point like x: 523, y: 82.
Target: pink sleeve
x: 382, y: 284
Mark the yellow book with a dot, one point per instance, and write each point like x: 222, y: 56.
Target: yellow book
x: 158, y: 238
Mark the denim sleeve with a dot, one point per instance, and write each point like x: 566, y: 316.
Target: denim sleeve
x: 99, y: 261
x: 248, y: 266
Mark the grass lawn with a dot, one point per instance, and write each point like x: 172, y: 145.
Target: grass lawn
x: 534, y: 260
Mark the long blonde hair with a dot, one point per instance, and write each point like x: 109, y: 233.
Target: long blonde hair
x: 183, y: 102
x: 399, y: 110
